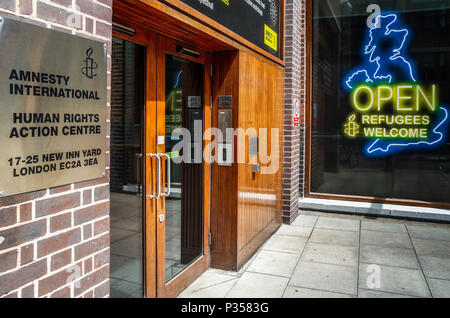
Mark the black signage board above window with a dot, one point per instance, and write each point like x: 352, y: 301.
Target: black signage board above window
x: 257, y: 21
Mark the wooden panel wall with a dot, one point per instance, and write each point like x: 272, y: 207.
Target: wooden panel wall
x: 261, y: 102
x: 224, y: 180
x: 246, y: 206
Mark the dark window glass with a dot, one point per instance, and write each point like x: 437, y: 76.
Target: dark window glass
x: 381, y: 99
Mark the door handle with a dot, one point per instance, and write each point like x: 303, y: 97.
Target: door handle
x: 138, y: 172
x: 166, y: 193
x: 158, y: 195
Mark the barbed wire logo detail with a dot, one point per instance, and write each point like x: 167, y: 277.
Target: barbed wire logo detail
x: 75, y: 276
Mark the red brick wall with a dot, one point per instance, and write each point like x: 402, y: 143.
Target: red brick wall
x: 55, y: 242
x: 295, y: 57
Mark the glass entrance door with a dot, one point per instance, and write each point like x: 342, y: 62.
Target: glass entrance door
x: 183, y: 206
x: 160, y: 107
x: 126, y: 166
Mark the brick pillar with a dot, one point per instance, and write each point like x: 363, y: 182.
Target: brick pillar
x: 295, y: 48
x: 55, y: 242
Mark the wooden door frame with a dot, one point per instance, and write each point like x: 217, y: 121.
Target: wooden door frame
x: 193, y: 271
x: 148, y: 40
x: 154, y: 274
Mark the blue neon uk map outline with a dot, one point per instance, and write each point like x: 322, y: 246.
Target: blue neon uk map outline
x: 376, y: 69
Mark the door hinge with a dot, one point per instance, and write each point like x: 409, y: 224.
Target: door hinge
x: 211, y: 71
x: 209, y: 238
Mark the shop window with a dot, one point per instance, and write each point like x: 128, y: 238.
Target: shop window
x: 380, y: 99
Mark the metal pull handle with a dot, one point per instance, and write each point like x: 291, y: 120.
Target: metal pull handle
x: 151, y: 196
x: 138, y: 172
x: 166, y: 193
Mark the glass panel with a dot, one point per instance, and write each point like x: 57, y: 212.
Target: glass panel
x: 381, y: 98
x: 184, y: 206
x: 127, y: 112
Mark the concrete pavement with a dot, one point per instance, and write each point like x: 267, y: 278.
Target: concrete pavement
x: 332, y: 255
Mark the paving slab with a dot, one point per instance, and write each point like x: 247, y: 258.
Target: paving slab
x: 285, y: 244
x: 117, y: 262
x: 437, y: 249
x: 327, y: 277
x: 364, y: 293
x: 305, y: 220
x: 129, y: 271
x: 429, y: 233
x: 215, y: 291
x: 124, y: 289
x: 330, y: 254
x: 298, y: 292
x: 435, y: 267
x: 122, y: 247
x: 335, y: 237
x: 224, y: 272
x: 118, y: 234
x: 439, y: 288
x: 246, y: 265
x: 385, y: 255
x: 397, y: 280
x: 301, y: 231
x: 383, y: 227
x: 208, y: 279
x: 331, y: 223
x: 130, y: 224
x: 318, y: 258
x: 274, y: 263
x: 255, y: 285
x: 385, y: 239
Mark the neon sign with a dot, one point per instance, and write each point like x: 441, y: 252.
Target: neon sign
x: 391, y: 108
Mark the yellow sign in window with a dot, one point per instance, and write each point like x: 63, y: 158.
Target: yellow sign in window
x: 270, y: 38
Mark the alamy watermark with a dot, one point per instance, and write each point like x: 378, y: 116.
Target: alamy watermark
x: 75, y: 276
x: 373, y: 280
x: 231, y: 146
x: 75, y: 20
x: 372, y: 21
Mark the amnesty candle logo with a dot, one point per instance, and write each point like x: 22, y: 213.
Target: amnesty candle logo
x: 351, y: 128
x: 89, y: 65
x: 391, y: 107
